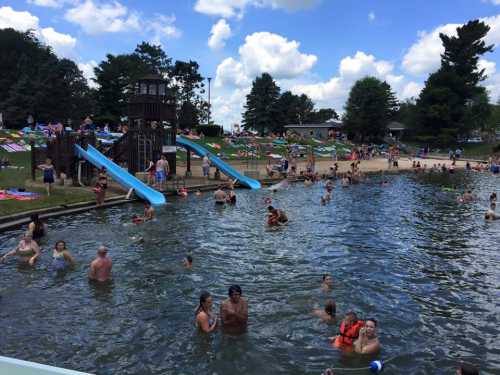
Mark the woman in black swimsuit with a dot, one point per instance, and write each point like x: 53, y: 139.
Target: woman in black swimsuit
x: 37, y: 227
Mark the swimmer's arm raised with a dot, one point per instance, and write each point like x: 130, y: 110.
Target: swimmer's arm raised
x: 10, y: 253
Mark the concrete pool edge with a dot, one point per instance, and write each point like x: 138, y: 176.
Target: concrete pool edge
x: 14, y: 366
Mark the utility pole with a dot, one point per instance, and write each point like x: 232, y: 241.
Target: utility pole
x: 209, y: 79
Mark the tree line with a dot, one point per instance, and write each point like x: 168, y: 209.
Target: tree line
x: 36, y: 82
x: 451, y: 106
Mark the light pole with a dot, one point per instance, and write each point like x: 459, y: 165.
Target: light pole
x: 209, y: 79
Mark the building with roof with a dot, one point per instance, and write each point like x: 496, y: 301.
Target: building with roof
x: 320, y: 131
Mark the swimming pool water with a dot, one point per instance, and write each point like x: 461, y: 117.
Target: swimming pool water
x: 407, y: 254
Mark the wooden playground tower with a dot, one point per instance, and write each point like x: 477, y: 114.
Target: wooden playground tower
x: 152, y: 132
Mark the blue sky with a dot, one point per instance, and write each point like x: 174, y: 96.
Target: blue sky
x: 317, y: 47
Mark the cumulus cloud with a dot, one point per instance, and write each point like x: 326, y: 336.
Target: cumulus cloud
x: 221, y: 31
x: 236, y: 8
x: 96, y: 18
x: 88, y: 71
x: 424, y: 56
x: 62, y: 44
x: 274, y: 54
x: 21, y: 21
x: 113, y: 17
x: 261, y: 52
x: 334, y: 92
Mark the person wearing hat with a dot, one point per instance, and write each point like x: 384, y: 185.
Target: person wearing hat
x: 234, y: 310
x: 100, y: 268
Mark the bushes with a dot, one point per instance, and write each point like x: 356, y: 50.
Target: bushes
x: 210, y: 130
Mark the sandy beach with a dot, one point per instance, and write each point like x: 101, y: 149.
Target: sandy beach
x: 322, y: 166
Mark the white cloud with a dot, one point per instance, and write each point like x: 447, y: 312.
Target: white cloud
x: 62, y: 44
x: 162, y: 27
x: 231, y: 73
x: 488, y: 66
x: 88, y: 72
x: 371, y: 16
x: 96, y: 18
x: 424, y: 56
x: 113, y: 17
x: 20, y: 21
x: 221, y: 31
x: 236, y: 8
x: 334, y: 92
x: 274, y: 54
x: 49, y: 3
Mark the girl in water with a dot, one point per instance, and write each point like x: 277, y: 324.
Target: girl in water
x: 37, y: 227
x: 27, y: 250
x: 61, y: 257
x: 206, y: 321
x: 328, y: 314
x: 48, y: 174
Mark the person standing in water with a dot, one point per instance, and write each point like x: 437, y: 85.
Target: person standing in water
x: 188, y: 262
x: 37, y: 227
x: 206, y: 321
x: 100, y: 268
x: 368, y: 342
x: 61, y: 257
x: 220, y: 196
x: 234, y: 310
x: 48, y: 174
x: 149, y: 214
x: 27, y: 250
x: 348, y: 331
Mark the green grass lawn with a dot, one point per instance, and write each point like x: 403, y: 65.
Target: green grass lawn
x: 230, y: 153
x: 16, y: 178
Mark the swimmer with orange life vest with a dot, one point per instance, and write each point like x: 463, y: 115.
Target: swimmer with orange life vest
x: 348, y: 332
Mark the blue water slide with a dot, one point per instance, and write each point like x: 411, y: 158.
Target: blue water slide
x: 219, y: 163
x: 120, y: 175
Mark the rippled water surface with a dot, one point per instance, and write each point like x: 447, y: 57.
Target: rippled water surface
x: 427, y: 267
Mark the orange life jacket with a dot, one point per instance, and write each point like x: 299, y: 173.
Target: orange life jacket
x: 347, y: 336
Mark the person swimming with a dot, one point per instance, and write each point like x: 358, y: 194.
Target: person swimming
x: 188, y: 262
x: 149, y: 213
x: 61, y: 257
x: 327, y: 283
x: 206, y: 321
x: 328, y: 314
x: 466, y: 369
x: 491, y: 215
x: 348, y: 331
x: 231, y: 197
x: 276, y: 216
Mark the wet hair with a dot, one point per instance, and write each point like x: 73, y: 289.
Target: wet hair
x: 372, y: 320
x: 189, y: 258
x: 353, y: 314
x: 325, y: 275
x: 35, y: 218
x: 467, y: 369
x: 58, y: 242
x: 234, y: 289
x: 270, y: 208
x: 331, y: 307
x: 204, y: 296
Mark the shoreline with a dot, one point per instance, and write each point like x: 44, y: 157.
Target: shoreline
x: 372, y: 166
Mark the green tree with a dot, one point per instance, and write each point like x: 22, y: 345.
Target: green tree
x: 370, y: 107
x: 35, y: 81
x: 452, y: 103
x: 188, y: 116
x: 323, y: 115
x: 261, y: 110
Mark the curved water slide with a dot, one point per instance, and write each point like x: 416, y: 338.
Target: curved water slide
x: 120, y: 175
x: 219, y: 163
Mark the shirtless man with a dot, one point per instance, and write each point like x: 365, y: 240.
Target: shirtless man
x: 162, y: 170
x: 100, y: 268
x: 234, y: 310
x: 220, y: 196
x: 149, y: 214
x: 367, y: 342
x: 328, y: 314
